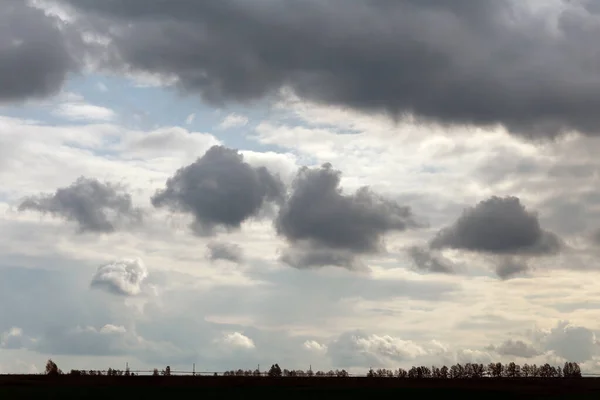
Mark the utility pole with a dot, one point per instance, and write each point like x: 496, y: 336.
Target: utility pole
x: 194, y: 371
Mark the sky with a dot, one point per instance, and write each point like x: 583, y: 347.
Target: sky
x: 333, y: 183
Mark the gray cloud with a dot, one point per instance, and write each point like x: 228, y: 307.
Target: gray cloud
x: 310, y: 256
x: 572, y: 342
x: 224, y: 251
x: 35, y: 58
x: 219, y: 189
x: 425, y: 260
x: 496, y: 61
x: 319, y: 215
x: 498, y: 225
x: 122, y: 277
x: 509, y: 267
x: 516, y: 348
x: 14, y: 339
x: 93, y: 205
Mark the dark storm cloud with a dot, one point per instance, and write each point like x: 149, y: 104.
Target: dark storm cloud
x: 481, y: 62
x: 95, y: 206
x: 499, y: 225
x: 425, y: 260
x: 219, y: 189
x: 35, y: 57
x: 319, y: 216
x: 224, y: 251
x: 319, y: 211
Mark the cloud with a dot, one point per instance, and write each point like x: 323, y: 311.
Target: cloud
x: 510, y: 267
x: 95, y: 206
x: 80, y: 111
x: 526, y: 66
x: 35, y: 56
x: 190, y: 118
x: 516, y: 348
x: 572, y: 342
x: 14, y: 339
x: 108, y: 340
x: 313, y: 345
x: 318, y: 214
x: 233, y: 121
x: 358, y: 349
x: 425, y: 260
x: 237, y: 340
x: 123, y: 277
x: 303, y: 255
x: 498, y: 225
x: 219, y: 189
x: 224, y: 251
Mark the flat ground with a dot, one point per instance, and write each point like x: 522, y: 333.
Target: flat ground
x: 209, y: 387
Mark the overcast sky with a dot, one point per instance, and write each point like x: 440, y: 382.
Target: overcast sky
x: 335, y: 183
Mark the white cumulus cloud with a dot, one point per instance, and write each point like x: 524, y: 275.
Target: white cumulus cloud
x: 123, y: 277
x: 81, y: 111
x: 233, y: 120
x: 237, y: 340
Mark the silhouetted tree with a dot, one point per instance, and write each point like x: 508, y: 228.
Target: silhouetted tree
x: 495, y: 370
x: 155, y: 372
x: 513, y: 370
x: 478, y: 371
x: 52, y: 369
x: 457, y: 371
x: 341, y: 374
x: 559, y: 372
x: 275, y: 371
x: 571, y: 370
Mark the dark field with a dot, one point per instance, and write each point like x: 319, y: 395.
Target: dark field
x: 209, y: 387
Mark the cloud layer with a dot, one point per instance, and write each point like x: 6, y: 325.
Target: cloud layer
x: 35, y: 56
x: 501, y: 61
x: 426, y: 296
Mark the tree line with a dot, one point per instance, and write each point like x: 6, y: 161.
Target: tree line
x: 456, y: 371
x: 474, y: 370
